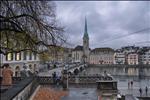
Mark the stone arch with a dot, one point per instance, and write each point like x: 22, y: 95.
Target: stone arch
x: 76, y: 71
x: 17, y: 71
x: 81, y: 69
x: 69, y: 73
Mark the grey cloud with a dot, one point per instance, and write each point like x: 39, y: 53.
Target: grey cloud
x: 106, y: 20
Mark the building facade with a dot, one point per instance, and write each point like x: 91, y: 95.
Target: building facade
x: 102, y: 56
x: 119, y: 57
x: 133, y: 58
x: 145, y: 57
x: 18, y: 60
x: 77, y: 54
x: 125, y: 55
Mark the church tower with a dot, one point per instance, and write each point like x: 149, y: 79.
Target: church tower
x: 86, y: 44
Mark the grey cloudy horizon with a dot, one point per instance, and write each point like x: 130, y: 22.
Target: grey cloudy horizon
x: 106, y: 20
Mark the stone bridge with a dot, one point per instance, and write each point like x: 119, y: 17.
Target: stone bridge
x: 78, y: 67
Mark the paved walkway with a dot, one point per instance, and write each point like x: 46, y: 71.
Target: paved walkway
x: 130, y: 97
x: 78, y: 93
x: 81, y: 94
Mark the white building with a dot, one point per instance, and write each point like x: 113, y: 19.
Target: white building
x: 18, y: 60
x: 119, y: 57
x: 77, y: 54
x: 102, y: 56
x: 133, y: 58
x: 129, y: 49
x: 146, y: 57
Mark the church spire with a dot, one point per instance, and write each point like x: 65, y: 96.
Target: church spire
x: 85, y: 29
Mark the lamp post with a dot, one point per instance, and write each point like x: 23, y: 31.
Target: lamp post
x: 67, y: 71
x: 67, y: 76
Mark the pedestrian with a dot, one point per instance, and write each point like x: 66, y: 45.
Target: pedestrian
x: 55, y: 66
x: 146, y: 90
x: 7, y: 74
x: 24, y: 73
x: 54, y: 77
x: 132, y: 84
x: 48, y: 66
x: 140, y: 90
x: 58, y: 79
x: 128, y: 85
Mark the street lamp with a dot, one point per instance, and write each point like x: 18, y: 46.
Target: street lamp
x: 67, y: 75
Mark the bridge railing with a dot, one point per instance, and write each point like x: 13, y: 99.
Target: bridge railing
x: 21, y: 91
x: 74, y: 79
x: 75, y: 66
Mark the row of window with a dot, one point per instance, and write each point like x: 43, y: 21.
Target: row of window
x: 145, y: 60
x: 18, y: 56
x: 146, y: 57
x: 76, y: 56
x: 133, y: 58
x: 103, y: 52
x: 95, y: 62
x: 96, y: 58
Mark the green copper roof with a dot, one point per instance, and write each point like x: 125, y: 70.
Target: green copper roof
x: 85, y: 30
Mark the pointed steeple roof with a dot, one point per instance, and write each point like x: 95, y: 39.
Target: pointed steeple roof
x: 85, y: 30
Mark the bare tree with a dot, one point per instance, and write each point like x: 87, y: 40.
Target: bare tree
x: 29, y: 25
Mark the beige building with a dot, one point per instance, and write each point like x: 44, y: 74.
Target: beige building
x: 60, y: 54
x: 133, y: 58
x: 102, y: 56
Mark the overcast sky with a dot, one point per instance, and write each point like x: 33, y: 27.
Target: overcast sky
x: 106, y: 20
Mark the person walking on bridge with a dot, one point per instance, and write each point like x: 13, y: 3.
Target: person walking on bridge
x: 132, y: 84
x: 146, y: 90
x: 140, y: 90
x: 54, y: 77
x: 128, y: 85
